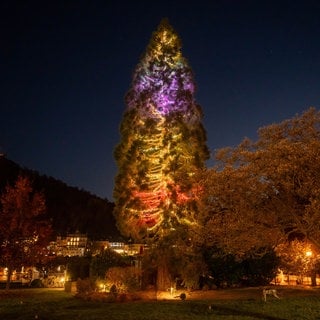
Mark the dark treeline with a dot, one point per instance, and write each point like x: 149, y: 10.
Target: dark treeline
x: 68, y: 208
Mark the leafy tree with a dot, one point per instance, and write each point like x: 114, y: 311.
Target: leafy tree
x: 180, y: 263
x: 24, y: 229
x: 232, y: 218
x: 78, y: 267
x: 298, y: 258
x: 259, y: 270
x: 190, y: 266
x: 227, y: 269
x: 105, y: 260
x: 123, y: 279
x: 163, y: 144
x: 223, y: 269
x: 261, y: 193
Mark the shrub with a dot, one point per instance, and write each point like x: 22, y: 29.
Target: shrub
x: 183, y: 296
x: 85, y: 286
x: 107, y: 259
x: 36, y: 283
x: 114, y: 291
x: 124, y: 279
x: 78, y: 267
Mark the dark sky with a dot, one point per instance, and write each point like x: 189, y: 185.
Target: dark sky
x: 65, y: 67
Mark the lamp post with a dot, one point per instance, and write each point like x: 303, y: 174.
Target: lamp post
x: 311, y: 267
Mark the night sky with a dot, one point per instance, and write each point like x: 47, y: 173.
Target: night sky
x: 65, y: 67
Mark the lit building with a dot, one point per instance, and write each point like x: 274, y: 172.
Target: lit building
x: 75, y: 244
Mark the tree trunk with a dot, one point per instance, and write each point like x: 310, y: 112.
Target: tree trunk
x: 313, y: 278
x: 8, y: 277
x: 163, y: 276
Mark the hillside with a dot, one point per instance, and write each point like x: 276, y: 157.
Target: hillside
x: 70, y: 209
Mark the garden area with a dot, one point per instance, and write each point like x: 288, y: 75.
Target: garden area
x: 246, y: 303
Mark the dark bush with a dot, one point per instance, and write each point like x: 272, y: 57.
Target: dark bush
x: 85, y: 286
x: 78, y: 267
x: 226, y: 270
x: 183, y: 296
x: 36, y: 283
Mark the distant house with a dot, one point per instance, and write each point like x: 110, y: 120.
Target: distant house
x: 77, y: 244
x: 74, y: 244
x: 122, y: 248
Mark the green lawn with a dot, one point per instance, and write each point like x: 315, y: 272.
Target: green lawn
x: 45, y: 304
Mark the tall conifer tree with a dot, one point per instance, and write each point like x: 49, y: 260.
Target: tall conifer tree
x: 163, y: 143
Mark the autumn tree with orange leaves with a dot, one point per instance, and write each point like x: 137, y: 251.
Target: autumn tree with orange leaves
x: 23, y: 227
x: 265, y: 192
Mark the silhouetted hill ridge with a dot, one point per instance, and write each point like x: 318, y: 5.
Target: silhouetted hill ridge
x: 69, y: 208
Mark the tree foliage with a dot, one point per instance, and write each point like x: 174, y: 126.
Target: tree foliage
x: 23, y: 226
x: 297, y: 257
x: 263, y: 192
x: 78, y: 267
x: 251, y: 270
x: 105, y: 260
x: 163, y: 143
x: 123, y: 279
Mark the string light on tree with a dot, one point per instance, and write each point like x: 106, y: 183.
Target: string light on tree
x: 163, y: 142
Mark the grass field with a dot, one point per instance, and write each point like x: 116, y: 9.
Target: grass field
x: 49, y: 304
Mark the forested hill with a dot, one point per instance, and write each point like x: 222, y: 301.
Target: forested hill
x: 69, y: 208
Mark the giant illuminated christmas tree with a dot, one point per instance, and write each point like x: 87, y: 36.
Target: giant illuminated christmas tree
x: 163, y: 143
